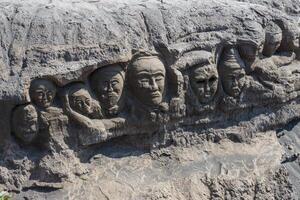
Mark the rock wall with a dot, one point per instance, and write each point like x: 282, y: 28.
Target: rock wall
x: 149, y: 99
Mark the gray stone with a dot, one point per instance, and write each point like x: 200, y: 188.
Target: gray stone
x: 152, y: 99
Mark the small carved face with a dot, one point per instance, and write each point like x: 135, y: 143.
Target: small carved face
x: 272, y: 43
x: 80, y: 101
x: 248, y: 53
x: 110, y: 83
x: 147, y: 80
x: 204, y: 82
x: 42, y: 93
x: 25, y: 123
x: 233, y: 81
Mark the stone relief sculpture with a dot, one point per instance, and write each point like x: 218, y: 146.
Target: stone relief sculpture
x: 210, y: 101
x: 269, y: 69
x: 42, y: 93
x: 149, y: 91
x: 231, y: 71
x: 201, y: 77
x: 25, y: 123
x: 147, y: 84
x: 250, y: 45
x: 53, y: 123
x: 78, y: 106
x: 108, y: 84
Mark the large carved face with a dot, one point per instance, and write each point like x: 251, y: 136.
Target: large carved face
x: 204, y: 82
x: 233, y: 81
x: 42, y: 92
x: 109, y: 83
x: 25, y: 123
x: 80, y: 101
x: 147, y: 80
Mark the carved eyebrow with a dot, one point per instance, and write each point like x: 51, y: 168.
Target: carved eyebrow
x: 143, y: 72
x: 159, y: 73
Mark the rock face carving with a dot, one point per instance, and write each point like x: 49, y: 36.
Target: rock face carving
x: 232, y: 72
x: 78, y: 106
x: 25, y: 123
x: 201, y: 80
x: 147, y: 79
x: 272, y: 39
x: 42, y: 93
x: 159, y: 88
x: 147, y: 83
x: 269, y: 69
x: 108, y: 84
x: 204, y: 80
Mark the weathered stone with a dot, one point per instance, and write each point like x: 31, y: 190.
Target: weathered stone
x: 154, y: 99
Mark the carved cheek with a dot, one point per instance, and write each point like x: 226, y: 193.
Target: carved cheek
x: 143, y: 84
x: 161, y: 85
x: 117, y: 88
x: 214, y: 85
x: 38, y: 96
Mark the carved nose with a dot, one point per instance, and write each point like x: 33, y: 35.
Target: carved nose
x: 234, y: 82
x: 154, y: 85
x: 207, y: 88
x: 109, y: 88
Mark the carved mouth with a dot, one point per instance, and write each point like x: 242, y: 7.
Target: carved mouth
x: 155, y: 94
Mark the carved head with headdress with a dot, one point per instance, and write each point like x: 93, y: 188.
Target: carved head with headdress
x: 251, y: 41
x: 203, y: 74
x: 231, y: 71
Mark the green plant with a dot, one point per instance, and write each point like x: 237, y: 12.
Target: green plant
x: 5, y: 196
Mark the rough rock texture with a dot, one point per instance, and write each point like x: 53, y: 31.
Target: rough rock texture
x: 151, y: 99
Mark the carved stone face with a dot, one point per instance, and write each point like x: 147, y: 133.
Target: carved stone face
x: 25, y: 123
x: 248, y: 52
x: 233, y: 81
x: 42, y: 92
x: 80, y: 101
x: 109, y: 85
x: 204, y: 82
x: 272, y: 43
x: 147, y: 80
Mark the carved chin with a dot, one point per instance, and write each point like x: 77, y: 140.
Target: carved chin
x: 156, y: 100
x: 110, y: 101
x: 205, y: 98
x: 44, y: 104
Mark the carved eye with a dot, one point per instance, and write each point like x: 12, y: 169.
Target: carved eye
x: 114, y: 83
x: 200, y: 81
x: 144, y: 80
x: 212, y: 79
x: 160, y: 78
